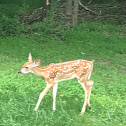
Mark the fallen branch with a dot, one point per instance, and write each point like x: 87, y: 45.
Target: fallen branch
x: 87, y: 8
x: 90, y: 2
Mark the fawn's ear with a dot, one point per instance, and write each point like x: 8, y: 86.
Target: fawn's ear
x: 30, y: 57
x: 36, y: 63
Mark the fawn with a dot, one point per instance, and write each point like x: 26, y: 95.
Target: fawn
x: 55, y: 72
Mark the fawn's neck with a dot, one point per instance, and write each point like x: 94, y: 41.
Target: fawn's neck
x: 39, y: 71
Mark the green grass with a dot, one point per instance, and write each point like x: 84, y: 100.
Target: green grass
x: 92, y: 41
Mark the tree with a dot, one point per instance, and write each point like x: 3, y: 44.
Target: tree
x: 75, y: 12
x: 72, y: 11
x: 46, y: 6
x: 68, y: 12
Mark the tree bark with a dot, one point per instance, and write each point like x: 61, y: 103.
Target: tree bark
x: 75, y: 12
x: 47, y: 6
x: 72, y: 12
x: 68, y: 12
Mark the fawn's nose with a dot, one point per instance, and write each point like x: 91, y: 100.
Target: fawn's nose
x: 19, y: 72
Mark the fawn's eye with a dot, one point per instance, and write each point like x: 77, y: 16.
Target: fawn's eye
x: 26, y: 67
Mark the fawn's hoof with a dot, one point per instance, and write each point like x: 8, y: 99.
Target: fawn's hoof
x: 35, y: 109
x: 81, y: 113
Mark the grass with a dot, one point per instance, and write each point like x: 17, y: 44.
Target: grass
x: 106, y: 44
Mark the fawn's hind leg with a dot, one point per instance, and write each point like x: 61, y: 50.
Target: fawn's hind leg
x: 87, y: 86
x: 90, y: 85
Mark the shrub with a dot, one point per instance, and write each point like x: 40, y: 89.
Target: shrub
x: 8, y: 26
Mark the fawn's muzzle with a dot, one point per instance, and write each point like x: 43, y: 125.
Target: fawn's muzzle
x: 19, y: 72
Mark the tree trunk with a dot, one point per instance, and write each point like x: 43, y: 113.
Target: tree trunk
x: 75, y: 12
x: 68, y: 12
x: 47, y: 6
x: 72, y: 12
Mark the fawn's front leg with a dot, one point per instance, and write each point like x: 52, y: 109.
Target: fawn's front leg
x: 54, y: 96
x: 42, y: 94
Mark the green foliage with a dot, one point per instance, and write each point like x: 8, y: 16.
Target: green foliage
x: 9, y: 10
x: 31, y: 3
x: 8, y: 26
